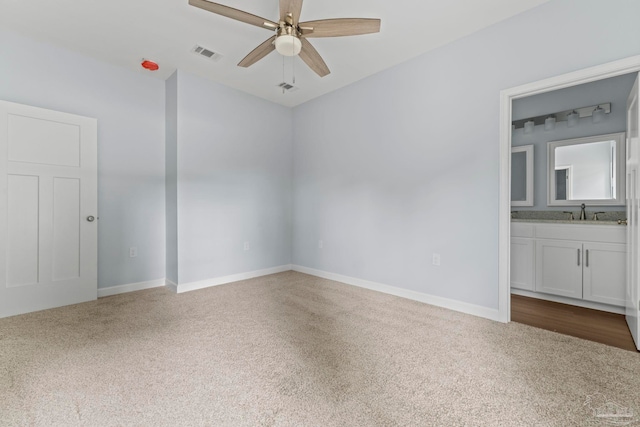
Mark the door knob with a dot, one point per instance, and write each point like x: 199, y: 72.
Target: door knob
x: 91, y: 218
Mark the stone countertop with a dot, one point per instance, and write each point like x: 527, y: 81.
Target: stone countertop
x: 562, y: 217
x: 566, y: 221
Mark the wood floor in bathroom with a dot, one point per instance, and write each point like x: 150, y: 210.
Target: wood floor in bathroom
x: 593, y: 325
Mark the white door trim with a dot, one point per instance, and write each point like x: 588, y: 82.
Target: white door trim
x: 599, y: 72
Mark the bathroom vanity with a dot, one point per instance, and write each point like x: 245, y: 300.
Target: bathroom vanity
x: 558, y: 253
x: 574, y: 262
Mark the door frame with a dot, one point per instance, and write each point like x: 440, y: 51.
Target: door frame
x: 568, y: 181
x: 507, y: 96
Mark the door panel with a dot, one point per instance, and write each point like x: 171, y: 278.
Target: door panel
x: 48, y: 187
x: 23, y: 229
x: 66, y: 229
x: 35, y: 140
x: 522, y: 263
x: 559, y: 268
x: 633, y: 207
x: 604, y: 273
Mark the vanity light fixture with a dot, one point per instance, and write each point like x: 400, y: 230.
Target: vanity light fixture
x: 550, y: 123
x: 597, y: 115
x: 528, y: 126
x: 573, y: 119
x: 572, y: 116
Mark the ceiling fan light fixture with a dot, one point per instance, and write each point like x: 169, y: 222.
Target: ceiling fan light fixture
x: 288, y: 45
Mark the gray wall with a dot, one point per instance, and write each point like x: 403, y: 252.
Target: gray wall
x: 219, y: 166
x: 171, y: 177
x: 234, y: 173
x: 405, y: 163
x: 387, y: 171
x: 614, y: 90
x: 130, y: 111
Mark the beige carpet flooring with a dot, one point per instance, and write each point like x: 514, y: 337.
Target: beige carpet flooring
x: 295, y: 350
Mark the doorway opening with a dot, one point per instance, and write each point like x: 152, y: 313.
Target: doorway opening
x: 512, y: 97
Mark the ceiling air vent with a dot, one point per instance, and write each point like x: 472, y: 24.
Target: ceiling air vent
x: 209, y: 54
x: 288, y: 87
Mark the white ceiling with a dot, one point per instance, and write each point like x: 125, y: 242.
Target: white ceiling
x: 122, y: 32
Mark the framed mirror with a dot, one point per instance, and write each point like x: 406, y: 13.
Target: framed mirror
x: 588, y: 170
x: 522, y: 175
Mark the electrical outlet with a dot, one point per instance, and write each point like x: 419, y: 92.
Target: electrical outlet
x: 133, y: 252
x: 320, y: 244
x: 247, y: 246
x: 436, y: 259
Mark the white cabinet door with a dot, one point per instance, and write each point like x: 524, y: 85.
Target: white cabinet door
x: 604, y: 273
x: 48, y: 209
x: 522, y: 263
x: 559, y: 268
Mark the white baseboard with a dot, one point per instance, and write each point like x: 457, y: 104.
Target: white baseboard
x: 130, y: 287
x: 187, y: 287
x: 171, y: 286
x: 463, y: 307
x: 570, y: 301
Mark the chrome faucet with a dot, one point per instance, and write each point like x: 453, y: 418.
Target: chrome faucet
x: 595, y: 215
x: 583, y: 214
x: 571, y: 218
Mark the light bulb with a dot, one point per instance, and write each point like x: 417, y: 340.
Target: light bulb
x: 528, y: 126
x: 550, y: 123
x: 573, y: 118
x: 598, y: 115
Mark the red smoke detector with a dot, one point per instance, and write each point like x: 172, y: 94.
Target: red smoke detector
x: 149, y: 65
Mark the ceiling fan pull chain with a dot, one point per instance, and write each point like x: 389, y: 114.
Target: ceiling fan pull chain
x: 293, y: 63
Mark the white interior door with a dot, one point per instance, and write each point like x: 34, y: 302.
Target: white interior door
x: 48, y: 209
x: 633, y: 208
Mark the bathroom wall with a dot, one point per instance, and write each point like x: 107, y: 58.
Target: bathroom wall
x: 614, y: 90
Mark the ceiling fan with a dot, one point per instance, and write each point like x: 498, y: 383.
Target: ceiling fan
x: 290, y: 38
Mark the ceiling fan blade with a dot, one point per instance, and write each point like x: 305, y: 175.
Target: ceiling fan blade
x: 339, y: 27
x: 232, y: 13
x: 290, y: 6
x: 258, y: 53
x: 313, y: 59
